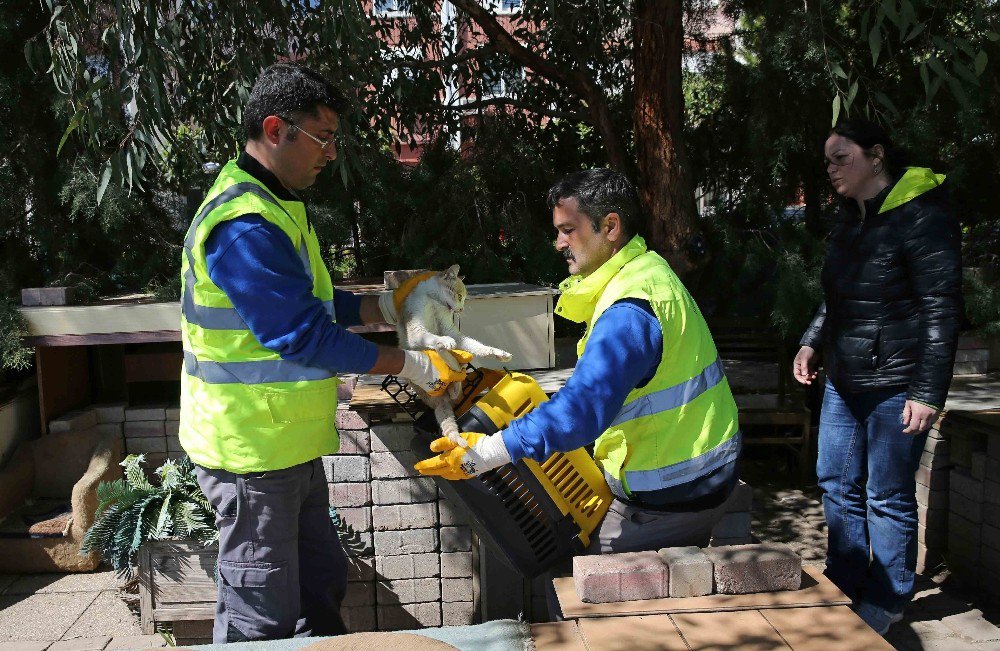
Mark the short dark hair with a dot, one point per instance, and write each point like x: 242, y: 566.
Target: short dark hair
x: 866, y: 134
x: 597, y: 193
x: 289, y: 89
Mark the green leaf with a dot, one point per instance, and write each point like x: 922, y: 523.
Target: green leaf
x: 851, y: 94
x: 965, y: 73
x: 875, y: 43
x: 74, y: 122
x: 886, y: 102
x: 105, y: 179
x: 916, y: 32
x: 981, y: 63
x: 838, y: 70
x: 926, y: 78
x: 993, y: 36
x: 836, y: 109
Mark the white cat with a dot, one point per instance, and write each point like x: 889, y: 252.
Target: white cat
x: 427, y: 322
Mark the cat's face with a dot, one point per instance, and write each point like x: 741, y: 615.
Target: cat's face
x: 453, y: 289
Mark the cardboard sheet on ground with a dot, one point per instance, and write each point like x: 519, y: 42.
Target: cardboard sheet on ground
x: 816, y: 590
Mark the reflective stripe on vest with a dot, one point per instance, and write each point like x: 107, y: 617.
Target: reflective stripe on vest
x: 682, y: 472
x: 671, y: 397
x: 258, y: 372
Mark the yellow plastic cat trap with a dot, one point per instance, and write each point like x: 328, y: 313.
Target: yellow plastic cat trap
x: 534, y: 515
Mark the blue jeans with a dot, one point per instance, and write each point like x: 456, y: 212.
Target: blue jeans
x: 866, y: 471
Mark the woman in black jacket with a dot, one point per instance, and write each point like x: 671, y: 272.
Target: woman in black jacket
x: 888, y: 331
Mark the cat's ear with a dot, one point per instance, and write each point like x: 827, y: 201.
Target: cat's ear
x: 452, y: 271
x: 461, y: 277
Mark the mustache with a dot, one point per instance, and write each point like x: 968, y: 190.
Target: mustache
x: 568, y: 254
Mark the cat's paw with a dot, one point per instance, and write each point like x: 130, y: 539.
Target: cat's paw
x: 501, y: 355
x: 445, y: 343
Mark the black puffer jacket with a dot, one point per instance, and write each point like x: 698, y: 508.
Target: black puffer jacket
x: 893, y: 288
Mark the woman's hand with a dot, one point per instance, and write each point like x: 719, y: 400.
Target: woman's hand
x: 918, y: 417
x: 804, y: 366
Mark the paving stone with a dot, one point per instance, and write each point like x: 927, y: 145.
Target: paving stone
x: 150, y: 412
x: 171, y: 427
x: 935, y: 461
x: 20, y: 615
x: 966, y: 485
x: 456, y: 589
x: 932, y: 499
x: 732, y: 525
x: 932, y: 537
x: 73, y: 421
x: 396, y: 617
x: 408, y: 591
x: 360, y: 569
x: 348, y: 469
x: 978, y: 469
x: 932, y: 518
x: 456, y: 564
x: 689, y: 571
x: 24, y: 646
x: 991, y: 491
x: 29, y: 584
x: 81, y: 644
x: 404, y: 516
x: 145, y: 429
x: 458, y: 613
x: 359, y: 618
x: 107, y: 615
x: 349, y: 495
x: 47, y: 296
x: 747, y: 569
x: 990, y: 534
x: 620, y: 577
x: 933, y: 479
x: 412, y: 566
x: 404, y: 491
x: 172, y: 412
x: 146, y: 445
x: 392, y: 438
x: 114, y: 429
x: 110, y: 412
x: 359, y: 594
x: 136, y: 642
x: 360, y: 518
x: 413, y: 541
x: 394, y: 465
x: 354, y: 442
x: 348, y: 419
x: 456, y: 539
x: 450, y: 515
x: 972, y: 626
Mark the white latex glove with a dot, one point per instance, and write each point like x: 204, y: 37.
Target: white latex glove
x: 431, y: 370
x: 388, y: 308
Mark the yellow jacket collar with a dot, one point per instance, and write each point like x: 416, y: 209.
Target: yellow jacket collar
x: 914, y: 182
x: 581, y: 293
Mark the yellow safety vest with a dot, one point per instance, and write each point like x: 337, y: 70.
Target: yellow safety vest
x: 683, y: 423
x: 243, y: 407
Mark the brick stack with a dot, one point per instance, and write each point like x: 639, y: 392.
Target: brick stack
x: 973, y: 523
x: 734, y: 527
x: 79, y: 420
x: 687, y: 572
x: 416, y: 568
x: 152, y: 430
x: 932, y: 478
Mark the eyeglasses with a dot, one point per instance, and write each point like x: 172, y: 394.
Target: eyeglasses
x: 324, y: 144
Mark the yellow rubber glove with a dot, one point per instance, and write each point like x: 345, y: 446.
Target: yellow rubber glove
x: 483, y: 453
x: 431, y: 371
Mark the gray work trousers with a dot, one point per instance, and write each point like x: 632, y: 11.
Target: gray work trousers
x: 282, y: 571
x: 628, y: 528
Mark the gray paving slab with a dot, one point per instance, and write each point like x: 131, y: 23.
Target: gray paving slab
x: 81, y: 644
x: 24, y: 646
x: 51, y: 583
x: 119, y: 643
x: 972, y: 626
x: 107, y: 615
x: 40, y: 617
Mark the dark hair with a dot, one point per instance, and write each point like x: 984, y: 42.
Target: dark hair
x: 289, y: 89
x: 597, y: 193
x: 866, y: 134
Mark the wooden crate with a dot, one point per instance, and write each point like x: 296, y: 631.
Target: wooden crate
x: 176, y: 582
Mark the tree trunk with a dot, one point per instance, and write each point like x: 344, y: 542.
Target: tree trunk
x: 664, y: 177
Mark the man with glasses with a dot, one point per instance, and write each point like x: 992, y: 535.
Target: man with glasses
x: 264, y: 335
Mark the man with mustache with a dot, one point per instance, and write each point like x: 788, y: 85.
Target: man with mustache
x: 648, y: 390
x: 264, y: 335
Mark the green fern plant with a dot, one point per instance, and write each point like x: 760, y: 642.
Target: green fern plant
x: 133, y: 510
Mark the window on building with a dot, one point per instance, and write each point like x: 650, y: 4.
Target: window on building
x: 507, y: 6
x: 502, y: 81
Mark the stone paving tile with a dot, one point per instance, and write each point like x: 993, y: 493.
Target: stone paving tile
x: 24, y: 646
x: 136, y: 642
x: 50, y: 583
x: 81, y: 644
x: 41, y: 616
x: 972, y: 626
x: 926, y: 636
x: 107, y: 615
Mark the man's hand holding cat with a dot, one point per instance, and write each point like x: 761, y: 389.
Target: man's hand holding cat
x: 429, y: 370
x: 480, y: 454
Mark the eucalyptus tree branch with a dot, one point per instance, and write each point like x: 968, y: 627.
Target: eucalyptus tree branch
x: 514, y: 103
